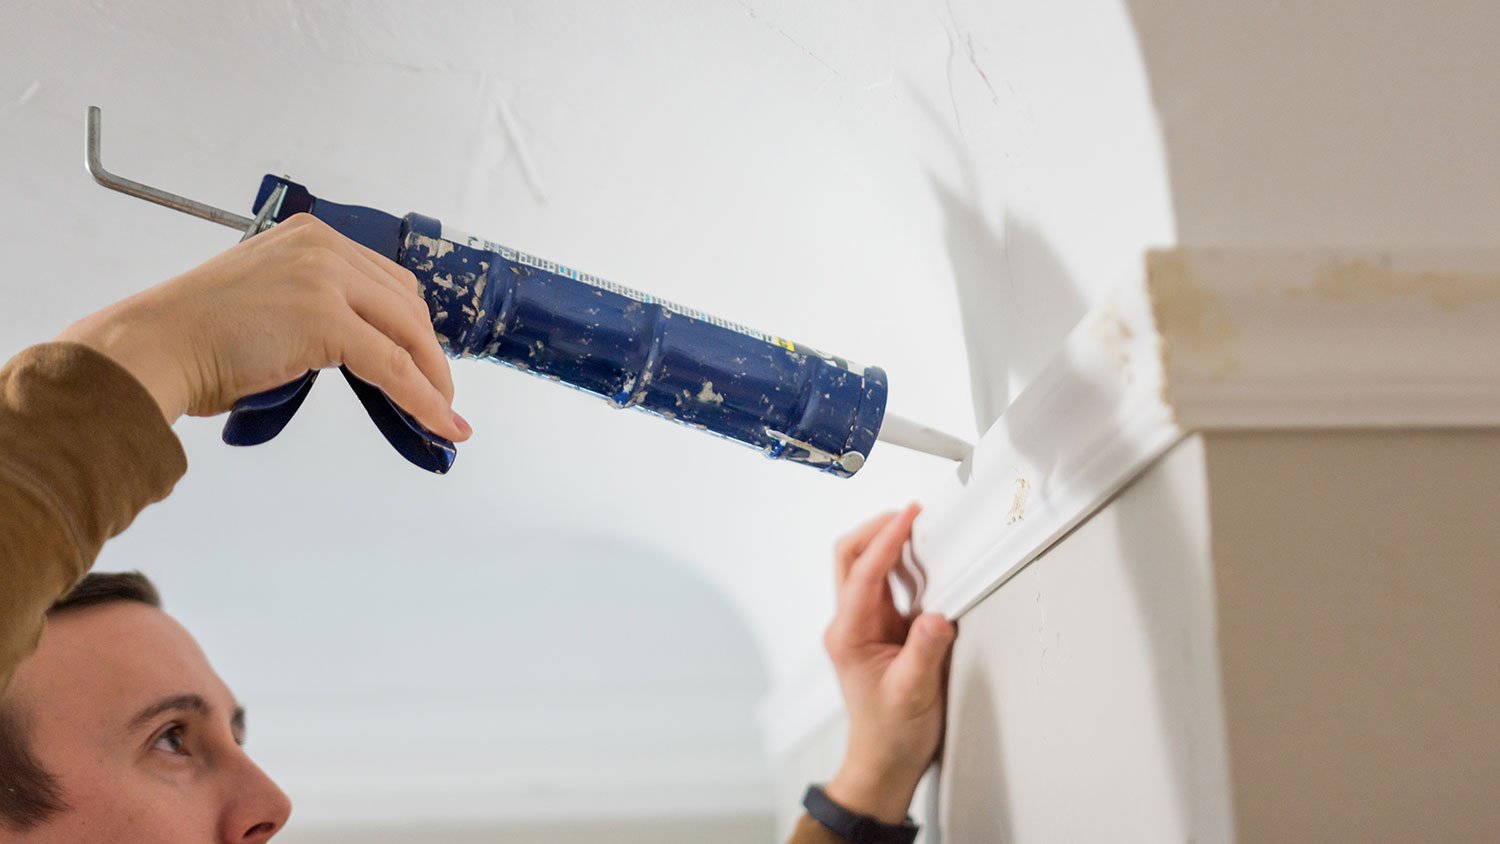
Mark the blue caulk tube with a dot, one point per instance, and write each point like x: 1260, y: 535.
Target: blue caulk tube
x: 495, y: 303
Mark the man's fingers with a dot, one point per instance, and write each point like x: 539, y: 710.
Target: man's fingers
x: 307, y: 226
x: 400, y: 274
x: 408, y: 322
x: 405, y: 316
x: 849, y: 547
x: 915, y: 677
x: 395, y: 314
x: 373, y: 356
x: 862, y: 587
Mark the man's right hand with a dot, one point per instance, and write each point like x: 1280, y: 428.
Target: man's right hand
x: 300, y: 296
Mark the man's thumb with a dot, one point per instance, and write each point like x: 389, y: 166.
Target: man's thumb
x: 918, y: 668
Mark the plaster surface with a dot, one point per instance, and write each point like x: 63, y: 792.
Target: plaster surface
x: 799, y: 169
x: 940, y: 188
x: 1084, y: 700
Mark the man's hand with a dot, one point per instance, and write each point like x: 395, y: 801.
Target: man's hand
x: 298, y: 297
x: 892, y: 671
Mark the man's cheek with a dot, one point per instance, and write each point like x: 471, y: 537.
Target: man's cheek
x: 132, y: 804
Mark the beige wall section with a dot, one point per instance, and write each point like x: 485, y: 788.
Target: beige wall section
x: 1308, y: 616
x: 1084, y: 698
x: 1359, y: 580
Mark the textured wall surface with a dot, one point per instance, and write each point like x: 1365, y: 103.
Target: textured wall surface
x: 616, y: 593
x: 1085, y: 691
x: 940, y: 188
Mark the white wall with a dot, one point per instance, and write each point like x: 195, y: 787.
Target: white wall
x: 1085, y: 700
x: 940, y: 188
x: 787, y: 167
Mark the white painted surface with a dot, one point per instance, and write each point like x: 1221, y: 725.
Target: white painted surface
x: 1223, y: 339
x: 964, y: 178
x: 798, y: 169
x: 1085, y: 699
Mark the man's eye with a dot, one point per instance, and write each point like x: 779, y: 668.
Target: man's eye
x: 171, y: 741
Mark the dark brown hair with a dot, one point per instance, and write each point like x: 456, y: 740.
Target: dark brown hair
x: 28, y: 793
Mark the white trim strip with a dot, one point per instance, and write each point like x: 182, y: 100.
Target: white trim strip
x: 1209, y: 339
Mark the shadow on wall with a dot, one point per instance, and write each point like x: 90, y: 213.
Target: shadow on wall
x: 1163, y: 585
x: 551, y: 675
x: 1018, y: 304
x: 1017, y: 300
x: 1015, y: 297
x: 980, y: 757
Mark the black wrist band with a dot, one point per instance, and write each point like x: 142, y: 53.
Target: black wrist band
x: 859, y: 829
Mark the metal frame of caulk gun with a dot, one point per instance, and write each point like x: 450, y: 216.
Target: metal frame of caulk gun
x: 259, y: 418
x: 541, y: 317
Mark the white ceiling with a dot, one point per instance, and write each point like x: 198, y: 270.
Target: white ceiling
x: 586, y: 610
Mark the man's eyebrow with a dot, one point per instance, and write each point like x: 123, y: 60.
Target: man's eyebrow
x: 186, y: 703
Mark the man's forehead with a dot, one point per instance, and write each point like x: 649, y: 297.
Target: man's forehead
x: 106, y: 661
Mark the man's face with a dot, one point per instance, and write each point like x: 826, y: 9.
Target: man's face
x: 141, y: 734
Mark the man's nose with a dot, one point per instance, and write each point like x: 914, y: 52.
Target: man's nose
x: 256, y: 808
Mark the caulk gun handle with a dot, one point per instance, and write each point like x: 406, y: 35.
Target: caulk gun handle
x: 259, y: 418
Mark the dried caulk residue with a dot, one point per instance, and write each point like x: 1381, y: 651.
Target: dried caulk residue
x: 1361, y: 279
x: 708, y: 396
x: 1018, y: 502
x: 1113, y: 335
x: 1192, y: 320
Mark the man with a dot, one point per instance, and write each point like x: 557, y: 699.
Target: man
x: 113, y: 725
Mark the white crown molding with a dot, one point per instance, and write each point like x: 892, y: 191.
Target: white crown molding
x: 1206, y: 340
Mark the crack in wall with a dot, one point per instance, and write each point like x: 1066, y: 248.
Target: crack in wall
x: 754, y: 15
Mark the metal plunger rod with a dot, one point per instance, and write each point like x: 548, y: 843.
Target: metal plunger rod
x: 146, y: 192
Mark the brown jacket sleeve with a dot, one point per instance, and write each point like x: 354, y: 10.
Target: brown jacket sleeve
x: 83, y: 449
x: 809, y: 831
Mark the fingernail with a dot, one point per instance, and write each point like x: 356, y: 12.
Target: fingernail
x: 462, y: 424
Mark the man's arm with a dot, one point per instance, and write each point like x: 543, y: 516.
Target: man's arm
x: 893, y: 674
x: 85, y: 437
x: 83, y: 448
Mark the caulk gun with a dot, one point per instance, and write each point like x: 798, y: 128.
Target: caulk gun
x: 495, y: 303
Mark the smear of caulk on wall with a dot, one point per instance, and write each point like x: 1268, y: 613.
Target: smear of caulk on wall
x: 1041, y: 626
x: 1018, y: 502
x: 523, y: 152
x: 1358, y: 279
x: 26, y: 96
x: 302, y: 22
x: 755, y: 16
x: 1194, y: 317
x: 890, y: 77
x: 29, y: 93
x: 1113, y: 335
x: 107, y: 11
